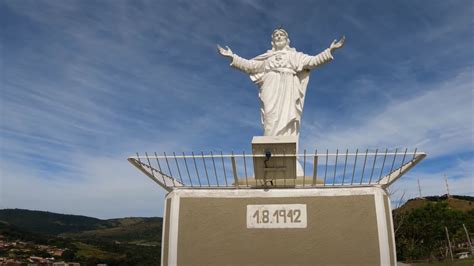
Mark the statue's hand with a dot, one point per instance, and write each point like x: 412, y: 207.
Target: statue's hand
x: 337, y: 44
x: 225, y: 52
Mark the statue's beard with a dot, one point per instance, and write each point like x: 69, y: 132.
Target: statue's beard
x: 280, y: 44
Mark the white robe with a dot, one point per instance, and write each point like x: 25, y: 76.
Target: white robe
x: 282, y: 77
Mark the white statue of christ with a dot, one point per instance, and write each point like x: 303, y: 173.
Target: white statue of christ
x: 282, y: 75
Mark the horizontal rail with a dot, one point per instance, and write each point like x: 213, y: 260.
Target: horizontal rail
x: 273, y: 155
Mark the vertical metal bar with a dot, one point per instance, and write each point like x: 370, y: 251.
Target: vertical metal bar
x: 373, y: 166
x: 335, y: 167
x: 159, y: 169
x: 245, y: 170
x: 234, y: 171
x: 326, y: 169
x: 205, y: 169
x: 401, y: 166
x: 197, y: 171
x: 187, y: 169
x: 177, y: 166
x: 393, y: 162
x: 223, y: 168
x: 304, y: 167
x: 363, y: 168
x: 315, y: 169
x: 149, y: 164
x: 403, y: 160
x: 353, y: 169
x: 383, y: 165
x: 169, y: 169
x: 345, y: 165
x: 215, y: 171
x: 138, y: 158
x: 414, y: 154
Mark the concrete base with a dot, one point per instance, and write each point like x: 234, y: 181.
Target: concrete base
x: 342, y: 226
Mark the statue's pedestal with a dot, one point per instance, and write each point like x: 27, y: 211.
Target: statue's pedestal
x: 213, y: 216
x: 313, y: 226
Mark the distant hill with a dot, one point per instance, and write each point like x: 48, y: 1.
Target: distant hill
x: 454, y: 202
x: 48, y: 222
x: 144, y: 231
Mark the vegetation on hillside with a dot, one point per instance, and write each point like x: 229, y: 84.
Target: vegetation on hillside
x: 420, y: 227
x: 126, y: 241
x: 48, y: 222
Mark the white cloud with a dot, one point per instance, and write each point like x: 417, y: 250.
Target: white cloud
x: 106, y: 188
x: 439, y: 122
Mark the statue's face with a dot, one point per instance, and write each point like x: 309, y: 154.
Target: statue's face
x: 280, y: 40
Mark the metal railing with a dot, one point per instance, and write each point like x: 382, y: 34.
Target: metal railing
x: 236, y: 170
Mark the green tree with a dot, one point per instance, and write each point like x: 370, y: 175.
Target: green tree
x: 68, y: 255
x: 421, y: 232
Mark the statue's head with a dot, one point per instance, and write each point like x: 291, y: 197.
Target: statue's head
x: 280, y: 39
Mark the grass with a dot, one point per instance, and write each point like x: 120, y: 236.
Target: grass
x: 88, y: 251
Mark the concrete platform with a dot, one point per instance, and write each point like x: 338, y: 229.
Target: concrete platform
x: 313, y: 226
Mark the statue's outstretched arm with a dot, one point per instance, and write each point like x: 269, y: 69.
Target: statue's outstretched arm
x: 245, y: 65
x: 310, y: 62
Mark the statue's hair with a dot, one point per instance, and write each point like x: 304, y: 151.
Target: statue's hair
x: 280, y: 30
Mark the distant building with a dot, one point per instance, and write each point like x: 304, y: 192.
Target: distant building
x: 56, y: 252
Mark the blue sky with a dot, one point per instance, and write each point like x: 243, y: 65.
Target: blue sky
x: 85, y: 84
